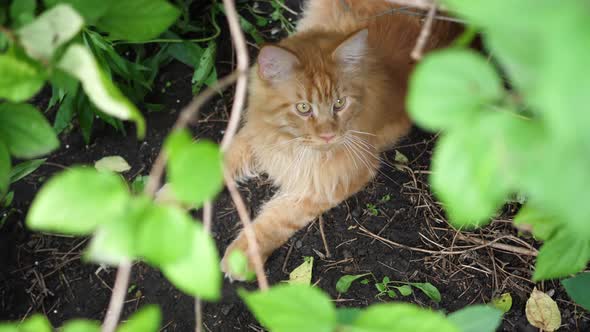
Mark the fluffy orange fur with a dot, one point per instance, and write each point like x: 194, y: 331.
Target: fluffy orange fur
x: 323, y: 104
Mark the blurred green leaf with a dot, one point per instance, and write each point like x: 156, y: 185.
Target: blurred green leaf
x: 80, y: 63
x: 90, y: 10
x: 194, y: 169
x: 20, y: 80
x: 49, y: 31
x: 530, y: 216
x: 458, y: 83
x: 25, y: 131
x: 78, y: 200
x: 477, y: 318
x: 281, y: 308
x: 147, y: 319
x: 401, y: 317
x: 202, y: 279
x: 81, y: 325
x: 21, y: 170
x: 22, y: 12
x: 171, y: 228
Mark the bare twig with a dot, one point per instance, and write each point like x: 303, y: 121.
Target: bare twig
x: 499, y: 246
x: 207, y: 220
x: 424, y: 34
x: 188, y: 113
x: 253, y: 251
x: 321, y: 222
x: 117, y: 297
x: 243, y: 62
x: 482, y: 244
x: 239, y: 100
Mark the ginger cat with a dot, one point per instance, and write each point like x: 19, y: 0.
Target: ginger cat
x: 323, y: 103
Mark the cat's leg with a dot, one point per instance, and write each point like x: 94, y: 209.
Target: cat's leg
x: 239, y: 160
x: 278, y: 220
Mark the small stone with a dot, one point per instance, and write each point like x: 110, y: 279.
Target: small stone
x: 298, y: 244
x: 356, y: 212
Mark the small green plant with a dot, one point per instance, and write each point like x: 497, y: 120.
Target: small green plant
x: 389, y: 287
x: 372, y: 209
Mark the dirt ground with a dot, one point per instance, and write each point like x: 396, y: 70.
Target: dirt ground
x: 405, y: 237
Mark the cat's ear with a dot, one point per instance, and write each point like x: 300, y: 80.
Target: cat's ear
x: 276, y: 63
x: 351, y: 52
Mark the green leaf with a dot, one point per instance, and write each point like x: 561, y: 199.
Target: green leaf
x: 450, y: 87
x: 202, y: 279
x: 401, y: 317
x: 530, y: 216
x: 81, y: 325
x: 25, y: 131
x: 79, y: 62
x: 147, y: 319
x: 404, y: 290
x: 391, y: 293
x: 476, y: 166
x: 76, y: 201
x: 347, y: 316
x: 49, y: 31
x: 21, y: 170
x: 36, y: 323
x: 138, y: 184
x: 20, y: 80
x: 292, y: 308
x: 90, y: 10
x: 4, y: 169
x: 138, y: 20
x: 165, y: 235
x: 194, y: 169
x: 343, y: 284
x: 564, y: 254
x: 428, y: 289
x: 477, y: 318
x: 22, y: 12
x: 578, y: 288
x: 115, y: 240
x: 503, y: 302
x: 206, y: 65
x: 238, y: 266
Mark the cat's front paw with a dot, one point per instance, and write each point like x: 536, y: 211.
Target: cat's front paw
x: 235, y: 263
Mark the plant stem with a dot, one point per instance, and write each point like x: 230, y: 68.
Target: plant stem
x: 117, y: 298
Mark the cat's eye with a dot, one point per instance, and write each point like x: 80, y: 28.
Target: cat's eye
x: 303, y: 108
x: 339, y: 104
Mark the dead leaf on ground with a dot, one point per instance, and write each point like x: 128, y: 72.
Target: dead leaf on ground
x: 542, y: 312
x: 302, y: 273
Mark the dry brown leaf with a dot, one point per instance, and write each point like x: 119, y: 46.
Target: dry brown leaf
x: 542, y: 312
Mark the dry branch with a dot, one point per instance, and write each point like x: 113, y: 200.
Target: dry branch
x: 424, y: 34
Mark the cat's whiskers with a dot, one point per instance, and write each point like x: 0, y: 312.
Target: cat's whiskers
x: 361, y: 132
x: 349, y: 153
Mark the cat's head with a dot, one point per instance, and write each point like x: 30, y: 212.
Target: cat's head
x: 310, y: 87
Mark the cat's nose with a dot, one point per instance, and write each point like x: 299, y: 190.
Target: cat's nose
x: 327, y: 137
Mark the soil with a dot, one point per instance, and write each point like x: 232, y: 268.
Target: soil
x: 41, y: 273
